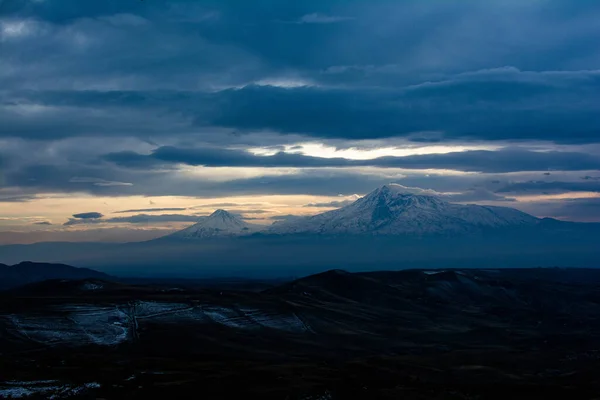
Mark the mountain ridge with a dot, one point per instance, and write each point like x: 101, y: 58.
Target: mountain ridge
x: 388, y: 228
x: 389, y: 210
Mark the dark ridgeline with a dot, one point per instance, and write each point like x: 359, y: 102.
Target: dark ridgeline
x: 30, y: 272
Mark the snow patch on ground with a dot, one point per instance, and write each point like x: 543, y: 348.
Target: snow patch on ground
x: 228, y: 317
x: 48, y: 389
x: 75, y: 325
x: 92, y: 286
x: 81, y: 324
x: 290, y: 323
x: 148, y: 309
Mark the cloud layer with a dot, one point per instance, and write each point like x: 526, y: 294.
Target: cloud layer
x: 494, y: 102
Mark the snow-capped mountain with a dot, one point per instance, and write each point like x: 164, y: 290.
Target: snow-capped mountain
x: 390, y: 210
x: 219, y: 224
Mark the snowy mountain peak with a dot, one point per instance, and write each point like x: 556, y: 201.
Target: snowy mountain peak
x: 219, y: 223
x: 225, y: 216
x: 401, y: 196
x: 395, y: 209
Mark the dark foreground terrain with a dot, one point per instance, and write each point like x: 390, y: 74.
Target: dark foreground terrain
x: 444, y: 334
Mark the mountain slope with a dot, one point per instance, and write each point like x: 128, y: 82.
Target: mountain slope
x: 390, y: 211
x: 219, y: 224
x: 30, y: 272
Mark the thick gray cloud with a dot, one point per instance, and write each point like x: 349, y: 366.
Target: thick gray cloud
x: 504, y: 104
x: 90, y: 70
x: 470, y: 109
x: 504, y: 160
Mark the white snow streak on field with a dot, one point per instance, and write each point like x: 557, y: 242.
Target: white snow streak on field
x: 49, y: 389
x: 148, y: 309
x: 78, y: 324
x: 289, y: 323
x: 228, y: 317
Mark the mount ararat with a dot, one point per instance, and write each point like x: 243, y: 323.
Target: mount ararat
x: 388, y: 228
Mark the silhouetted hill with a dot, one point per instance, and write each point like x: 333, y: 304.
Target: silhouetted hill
x: 29, y: 272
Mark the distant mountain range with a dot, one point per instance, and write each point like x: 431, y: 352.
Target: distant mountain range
x: 387, y: 229
x: 388, y: 210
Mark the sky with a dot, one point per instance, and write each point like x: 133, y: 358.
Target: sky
x: 123, y: 120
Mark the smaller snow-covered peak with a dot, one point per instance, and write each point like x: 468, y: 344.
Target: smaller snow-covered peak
x: 225, y: 217
x: 219, y: 223
x: 223, y: 220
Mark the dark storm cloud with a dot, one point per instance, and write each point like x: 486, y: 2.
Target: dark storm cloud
x: 132, y: 159
x: 503, y: 105
x: 88, y: 215
x: 214, y: 157
x: 504, y: 160
x: 478, y: 109
x: 63, y: 178
x: 43, y: 223
x: 77, y: 70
